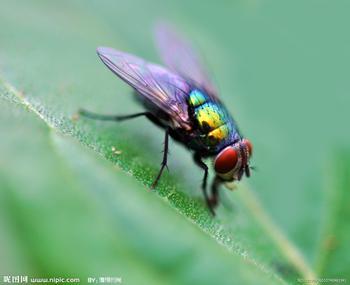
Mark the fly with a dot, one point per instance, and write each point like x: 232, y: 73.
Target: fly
x: 181, y: 99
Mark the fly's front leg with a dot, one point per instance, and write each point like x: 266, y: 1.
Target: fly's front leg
x: 198, y: 160
x: 214, y: 198
x: 165, y: 159
x: 117, y: 118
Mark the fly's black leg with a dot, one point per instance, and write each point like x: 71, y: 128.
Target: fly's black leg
x: 120, y: 118
x: 198, y: 160
x: 117, y: 118
x: 165, y: 159
x: 214, y: 199
x: 247, y: 171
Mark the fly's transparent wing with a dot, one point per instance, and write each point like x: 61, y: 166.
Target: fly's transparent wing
x: 178, y: 54
x: 160, y: 87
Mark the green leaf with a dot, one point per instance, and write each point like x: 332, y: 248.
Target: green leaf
x: 74, y: 193
x: 73, y: 214
x: 334, y: 258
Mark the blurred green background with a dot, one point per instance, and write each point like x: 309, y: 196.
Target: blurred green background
x: 72, y: 207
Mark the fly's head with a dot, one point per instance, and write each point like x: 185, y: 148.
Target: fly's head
x: 233, y: 161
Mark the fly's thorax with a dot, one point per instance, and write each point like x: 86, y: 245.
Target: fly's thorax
x: 233, y: 161
x: 197, y: 98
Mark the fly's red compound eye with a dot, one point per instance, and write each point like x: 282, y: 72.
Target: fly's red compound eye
x: 226, y: 160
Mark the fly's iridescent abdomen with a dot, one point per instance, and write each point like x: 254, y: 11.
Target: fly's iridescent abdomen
x: 215, y: 128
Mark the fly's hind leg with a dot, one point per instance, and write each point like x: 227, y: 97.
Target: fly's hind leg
x: 120, y: 118
x: 117, y: 118
x: 165, y: 158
